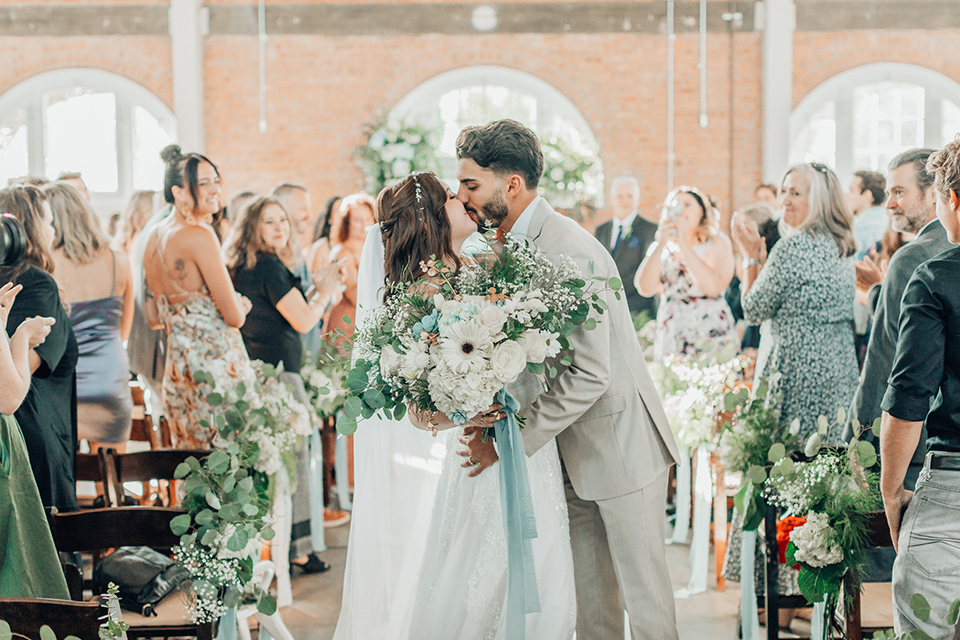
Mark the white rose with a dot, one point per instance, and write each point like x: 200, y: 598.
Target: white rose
x: 535, y: 345
x: 389, y: 361
x: 492, y: 317
x: 508, y: 362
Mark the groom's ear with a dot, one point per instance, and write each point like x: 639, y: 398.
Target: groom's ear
x: 515, y: 184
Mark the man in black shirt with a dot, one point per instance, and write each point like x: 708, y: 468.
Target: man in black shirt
x: 927, y: 365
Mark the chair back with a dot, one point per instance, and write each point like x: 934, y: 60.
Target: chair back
x: 93, y: 467
x: 98, y: 529
x: 64, y: 617
x: 147, y: 466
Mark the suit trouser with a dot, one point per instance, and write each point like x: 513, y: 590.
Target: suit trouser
x: 619, y: 561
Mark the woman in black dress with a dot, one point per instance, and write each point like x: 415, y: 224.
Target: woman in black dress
x: 262, y: 260
x: 48, y: 415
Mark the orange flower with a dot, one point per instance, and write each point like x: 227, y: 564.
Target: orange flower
x: 784, y: 527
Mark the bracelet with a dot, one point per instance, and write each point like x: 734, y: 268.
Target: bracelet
x: 749, y: 262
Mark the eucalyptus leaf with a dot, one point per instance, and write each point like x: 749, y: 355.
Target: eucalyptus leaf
x: 204, y: 517
x: 209, y: 537
x: 46, y: 633
x: 954, y: 613
x: 5, y: 633
x: 182, y: 470
x: 250, y: 510
x: 787, y: 467
x: 866, y: 454
x: 346, y: 426
x: 823, y: 425
x: 212, y: 500
x: 268, y: 534
x: 267, y: 605
x: 215, y: 399
x: 232, y: 598
x: 399, y: 411
x: 920, y: 607
x: 841, y: 416
x: 615, y: 284
x: 353, y: 407
x: 180, y: 524
x: 777, y: 452
x: 757, y: 474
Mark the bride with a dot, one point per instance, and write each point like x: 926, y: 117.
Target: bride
x: 462, y: 585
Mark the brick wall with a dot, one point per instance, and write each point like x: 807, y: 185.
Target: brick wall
x: 322, y: 89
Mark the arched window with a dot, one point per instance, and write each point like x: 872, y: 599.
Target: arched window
x: 864, y: 117
x: 107, y: 128
x: 475, y: 95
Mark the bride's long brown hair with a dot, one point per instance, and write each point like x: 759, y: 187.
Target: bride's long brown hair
x: 414, y: 225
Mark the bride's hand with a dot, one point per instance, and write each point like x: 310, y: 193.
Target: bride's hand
x: 478, y: 454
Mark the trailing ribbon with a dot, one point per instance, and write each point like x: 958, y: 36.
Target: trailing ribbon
x: 819, y: 624
x: 700, y: 546
x: 681, y: 523
x: 228, y: 625
x: 519, y: 521
x: 749, y: 620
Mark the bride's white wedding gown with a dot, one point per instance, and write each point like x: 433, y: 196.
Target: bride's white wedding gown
x: 463, y: 583
x: 427, y: 557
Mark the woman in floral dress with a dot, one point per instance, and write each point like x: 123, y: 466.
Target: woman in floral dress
x: 690, y: 266
x: 190, y: 294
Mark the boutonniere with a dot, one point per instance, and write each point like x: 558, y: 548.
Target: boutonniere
x: 627, y: 233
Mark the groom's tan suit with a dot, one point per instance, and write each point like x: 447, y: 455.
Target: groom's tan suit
x: 616, y: 447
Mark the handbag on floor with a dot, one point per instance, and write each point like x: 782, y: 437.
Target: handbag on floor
x: 145, y: 577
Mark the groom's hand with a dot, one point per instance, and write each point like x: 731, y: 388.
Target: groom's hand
x: 478, y: 454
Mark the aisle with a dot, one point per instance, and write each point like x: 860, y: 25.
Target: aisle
x: 313, y: 615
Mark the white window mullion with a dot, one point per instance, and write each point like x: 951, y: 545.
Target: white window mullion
x: 124, y: 147
x: 36, y: 146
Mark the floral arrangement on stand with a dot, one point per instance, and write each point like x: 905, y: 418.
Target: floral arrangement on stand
x: 393, y: 149
x: 452, y: 349
x: 228, y: 495
x: 835, y: 493
x: 325, y: 380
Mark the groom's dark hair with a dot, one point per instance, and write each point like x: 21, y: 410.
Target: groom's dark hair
x: 504, y: 147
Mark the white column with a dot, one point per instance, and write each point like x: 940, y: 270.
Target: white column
x: 188, y: 26
x: 779, y: 21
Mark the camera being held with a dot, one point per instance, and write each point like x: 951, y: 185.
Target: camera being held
x: 13, y: 240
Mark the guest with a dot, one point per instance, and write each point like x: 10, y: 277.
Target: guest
x: 924, y: 389
x: 806, y: 289
x: 27, y: 181
x: 262, y: 258
x: 320, y: 249
x: 762, y: 216
x: 190, y: 294
x: 766, y: 194
x: 29, y: 564
x: 628, y: 236
x: 98, y: 288
x: 135, y: 217
x: 48, y: 415
x: 238, y: 202
x: 865, y: 200
x: 75, y: 180
x: 146, y: 346
x: 690, y: 265
x: 347, y: 233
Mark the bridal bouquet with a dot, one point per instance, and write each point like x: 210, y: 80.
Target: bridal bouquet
x: 451, y: 344
x: 227, y: 496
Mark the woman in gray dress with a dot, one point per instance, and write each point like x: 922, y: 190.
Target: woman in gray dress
x: 97, y: 284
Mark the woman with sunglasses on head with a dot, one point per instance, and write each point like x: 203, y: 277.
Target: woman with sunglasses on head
x: 690, y: 267
x: 806, y: 289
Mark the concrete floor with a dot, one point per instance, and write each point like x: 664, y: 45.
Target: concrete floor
x: 313, y: 616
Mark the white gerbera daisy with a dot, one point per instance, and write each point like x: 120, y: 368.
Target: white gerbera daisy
x: 466, y: 346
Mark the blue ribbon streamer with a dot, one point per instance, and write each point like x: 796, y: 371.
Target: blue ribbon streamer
x: 228, y: 625
x: 519, y: 520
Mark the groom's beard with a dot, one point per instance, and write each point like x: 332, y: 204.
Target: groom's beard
x: 493, y: 212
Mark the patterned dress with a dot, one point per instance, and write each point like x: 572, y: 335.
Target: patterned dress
x: 198, y: 339
x: 688, y: 320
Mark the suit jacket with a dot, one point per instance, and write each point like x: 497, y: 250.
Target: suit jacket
x: 628, y: 257
x: 603, y: 408
x: 883, y: 339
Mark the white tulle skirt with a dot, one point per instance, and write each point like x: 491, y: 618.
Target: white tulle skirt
x: 396, y: 470
x: 463, y: 582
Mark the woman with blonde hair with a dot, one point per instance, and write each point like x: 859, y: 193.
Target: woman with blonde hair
x: 97, y: 285
x: 138, y: 212
x: 806, y: 288
x: 690, y: 266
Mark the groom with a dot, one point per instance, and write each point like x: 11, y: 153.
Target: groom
x: 603, y: 409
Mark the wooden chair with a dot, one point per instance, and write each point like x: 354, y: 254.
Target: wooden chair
x: 65, y: 617
x: 91, y: 467
x: 99, y: 529
x: 147, y: 466
x: 879, y: 536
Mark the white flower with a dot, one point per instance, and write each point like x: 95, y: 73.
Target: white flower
x: 492, y: 317
x: 509, y: 361
x: 389, y: 361
x: 816, y: 542
x: 540, y: 345
x: 466, y: 346
x: 415, y: 361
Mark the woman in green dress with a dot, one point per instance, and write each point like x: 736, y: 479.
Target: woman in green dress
x: 29, y: 564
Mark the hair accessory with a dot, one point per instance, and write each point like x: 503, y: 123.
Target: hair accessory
x: 419, y: 196
x: 821, y: 168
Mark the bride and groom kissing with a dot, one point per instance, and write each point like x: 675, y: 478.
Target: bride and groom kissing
x: 427, y: 556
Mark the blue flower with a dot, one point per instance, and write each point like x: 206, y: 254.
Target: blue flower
x: 427, y: 323
x: 458, y: 417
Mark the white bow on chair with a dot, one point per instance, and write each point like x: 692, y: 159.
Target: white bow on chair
x: 263, y: 572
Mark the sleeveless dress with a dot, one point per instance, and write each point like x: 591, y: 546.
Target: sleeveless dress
x: 198, y: 339
x: 688, y: 320
x: 103, y: 370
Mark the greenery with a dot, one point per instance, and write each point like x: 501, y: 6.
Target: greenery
x: 921, y: 608
x: 112, y: 628
x: 569, y: 177
x: 393, y: 150
x: 227, y: 496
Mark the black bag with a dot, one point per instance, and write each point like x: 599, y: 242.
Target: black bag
x: 144, y: 576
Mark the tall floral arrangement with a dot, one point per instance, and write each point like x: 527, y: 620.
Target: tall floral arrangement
x: 227, y: 496
x: 393, y: 149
